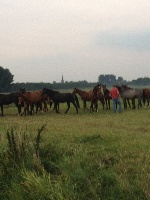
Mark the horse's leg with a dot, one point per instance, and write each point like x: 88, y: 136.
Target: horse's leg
x: 68, y: 104
x: 75, y: 106
x: 125, y: 103
x: 32, y: 108
x: 147, y: 101
x: 37, y: 105
x: 91, y: 107
x: 84, y: 105
x: 139, y: 103
x: 56, y: 107
x: 45, y: 106
x: 40, y: 106
x: 96, y: 106
x: 1, y: 110
x: 106, y: 104
x: 18, y: 107
x: 50, y: 104
x: 129, y: 103
x: 133, y: 104
x: 109, y: 104
x: 25, y: 109
x: 103, y: 103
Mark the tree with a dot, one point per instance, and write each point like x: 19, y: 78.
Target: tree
x: 107, y: 79
x: 6, y: 78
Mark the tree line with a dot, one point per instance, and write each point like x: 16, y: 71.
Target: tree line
x: 7, y: 85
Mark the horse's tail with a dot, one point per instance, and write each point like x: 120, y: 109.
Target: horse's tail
x: 76, y: 100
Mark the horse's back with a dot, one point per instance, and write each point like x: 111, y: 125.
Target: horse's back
x: 7, y: 99
x: 30, y: 97
x: 132, y: 93
x: 146, y: 91
x: 63, y: 97
x: 85, y: 95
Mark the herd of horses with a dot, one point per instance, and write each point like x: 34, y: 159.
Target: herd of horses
x: 39, y: 100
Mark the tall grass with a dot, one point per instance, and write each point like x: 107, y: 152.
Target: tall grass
x: 75, y: 156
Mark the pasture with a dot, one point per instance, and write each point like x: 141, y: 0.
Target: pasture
x: 81, y: 156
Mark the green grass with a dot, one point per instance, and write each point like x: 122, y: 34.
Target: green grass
x: 82, y: 156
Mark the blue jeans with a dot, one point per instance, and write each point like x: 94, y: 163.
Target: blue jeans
x: 116, y: 101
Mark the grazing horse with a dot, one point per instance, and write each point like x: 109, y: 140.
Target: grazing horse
x: 58, y: 97
x: 130, y: 93
x: 107, y: 96
x: 88, y: 96
x: 33, y: 98
x: 6, y: 99
x: 146, y: 95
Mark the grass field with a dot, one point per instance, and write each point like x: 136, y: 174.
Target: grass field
x: 81, y: 156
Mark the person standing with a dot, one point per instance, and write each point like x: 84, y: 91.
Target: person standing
x: 114, y: 93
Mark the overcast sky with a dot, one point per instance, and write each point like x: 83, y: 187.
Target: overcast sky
x: 41, y: 40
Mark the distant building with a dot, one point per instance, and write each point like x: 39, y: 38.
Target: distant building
x: 62, y: 80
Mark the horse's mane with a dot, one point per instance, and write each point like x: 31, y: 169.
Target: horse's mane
x: 54, y: 91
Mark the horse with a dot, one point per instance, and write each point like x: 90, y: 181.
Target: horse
x: 146, y: 96
x: 101, y: 96
x: 88, y: 96
x: 33, y: 98
x: 130, y: 93
x: 58, y: 97
x: 6, y: 99
x: 107, y: 96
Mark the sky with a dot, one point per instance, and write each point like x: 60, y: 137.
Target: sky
x: 45, y: 39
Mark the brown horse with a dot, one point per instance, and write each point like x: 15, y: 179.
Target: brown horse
x: 33, y: 98
x: 101, y: 96
x: 146, y: 96
x: 88, y: 96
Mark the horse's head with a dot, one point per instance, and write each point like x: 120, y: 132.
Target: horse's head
x: 22, y: 90
x: 126, y: 87
x: 74, y: 91
x: 44, y: 91
x: 20, y: 98
x: 120, y: 88
x: 96, y: 89
x: 104, y: 87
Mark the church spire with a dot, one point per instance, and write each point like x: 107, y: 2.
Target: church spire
x: 62, y: 80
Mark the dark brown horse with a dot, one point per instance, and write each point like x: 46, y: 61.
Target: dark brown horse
x: 107, y: 96
x: 90, y: 96
x: 58, y: 97
x: 146, y: 96
x: 33, y: 98
x: 6, y: 99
